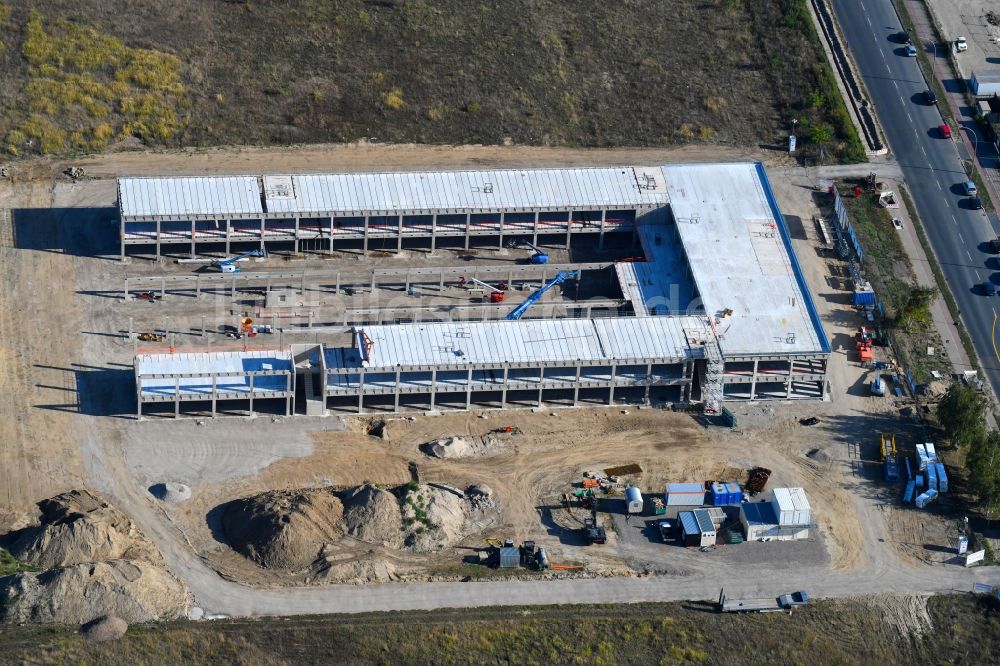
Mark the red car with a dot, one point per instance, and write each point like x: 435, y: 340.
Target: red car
x: 945, y: 131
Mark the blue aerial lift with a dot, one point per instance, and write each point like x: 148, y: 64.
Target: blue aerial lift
x: 229, y: 265
x: 519, y: 311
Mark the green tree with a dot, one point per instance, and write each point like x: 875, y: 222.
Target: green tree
x: 962, y: 413
x: 983, y: 463
x: 820, y: 134
x: 917, y: 308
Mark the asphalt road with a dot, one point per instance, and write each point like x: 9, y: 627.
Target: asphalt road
x: 932, y: 167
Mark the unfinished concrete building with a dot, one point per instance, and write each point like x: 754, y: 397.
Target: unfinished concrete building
x: 715, y: 307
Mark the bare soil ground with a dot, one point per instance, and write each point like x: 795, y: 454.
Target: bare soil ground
x: 59, y: 233
x: 536, y: 72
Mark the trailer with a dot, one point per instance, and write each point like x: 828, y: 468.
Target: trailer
x: 633, y: 501
x: 770, y: 605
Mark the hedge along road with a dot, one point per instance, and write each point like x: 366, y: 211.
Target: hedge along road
x: 931, y: 164
x: 882, y: 571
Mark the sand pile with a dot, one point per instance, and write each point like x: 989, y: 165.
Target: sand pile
x: 373, y: 515
x: 108, y: 628
x: 819, y: 456
x: 79, y: 527
x: 450, y: 447
x: 436, y: 517
x: 284, y: 529
x: 132, y: 591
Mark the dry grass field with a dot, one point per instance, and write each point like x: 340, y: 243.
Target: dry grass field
x: 77, y: 76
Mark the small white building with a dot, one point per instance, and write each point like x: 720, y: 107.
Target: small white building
x: 791, y: 506
x: 633, y: 501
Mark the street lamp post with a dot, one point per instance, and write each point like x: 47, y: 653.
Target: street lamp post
x: 975, y: 142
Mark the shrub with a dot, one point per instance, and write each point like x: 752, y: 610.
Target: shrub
x: 393, y: 99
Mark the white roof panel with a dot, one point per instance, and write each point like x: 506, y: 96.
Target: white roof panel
x: 530, y: 341
x: 184, y: 197
x: 204, y: 366
x: 356, y: 193
x: 741, y: 259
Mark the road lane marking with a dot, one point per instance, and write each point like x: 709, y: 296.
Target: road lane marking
x: 978, y: 276
x: 968, y: 255
x: 923, y: 151
x: 963, y: 241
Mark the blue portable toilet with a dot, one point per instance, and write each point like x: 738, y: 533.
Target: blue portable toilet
x: 735, y: 493
x: 720, y: 494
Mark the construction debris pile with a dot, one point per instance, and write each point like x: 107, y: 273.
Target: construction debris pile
x: 93, y: 562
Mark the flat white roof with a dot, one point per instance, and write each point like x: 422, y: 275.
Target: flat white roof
x: 530, y: 341
x: 741, y: 259
x: 791, y: 499
x: 151, y: 368
x: 463, y: 191
x: 189, y: 197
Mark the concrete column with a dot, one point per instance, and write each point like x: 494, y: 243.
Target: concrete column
x: 649, y: 378
x: 177, y: 397
x: 399, y: 235
x: 192, y: 240
x: 361, y: 390
x: 251, y: 395
x: 366, y: 236
x: 468, y: 389
x: 576, y: 386
x: 121, y: 238
x: 534, y: 232
x: 215, y: 394
x: 329, y: 249
x: 541, y: 383
x: 503, y: 391
x: 753, y: 380
x: 229, y: 231
x: 395, y: 403
x: 296, y: 248
x: 468, y: 229
x: 500, y: 241
x: 569, y: 228
x: 611, y: 393
x: 434, y: 381
x: 262, y: 233
x: 157, y: 239
x: 138, y: 396
x: 791, y: 371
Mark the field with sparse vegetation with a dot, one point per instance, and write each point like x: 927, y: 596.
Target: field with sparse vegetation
x: 963, y: 629
x: 79, y: 76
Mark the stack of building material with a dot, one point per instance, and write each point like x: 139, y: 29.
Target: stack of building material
x: 923, y: 499
x: 932, y: 477
x: 942, y: 478
x: 921, y: 458
x: 685, y: 494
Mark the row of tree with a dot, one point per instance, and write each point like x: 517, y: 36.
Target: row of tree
x: 962, y: 413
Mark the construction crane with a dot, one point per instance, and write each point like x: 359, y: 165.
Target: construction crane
x: 496, y: 295
x: 561, y: 277
x: 229, y: 265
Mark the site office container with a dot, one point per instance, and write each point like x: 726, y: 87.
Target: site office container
x: 684, y: 494
x: 791, y: 507
x: 633, y: 500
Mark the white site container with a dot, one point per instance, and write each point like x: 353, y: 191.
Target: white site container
x: 791, y: 506
x: 685, y: 494
x: 633, y: 501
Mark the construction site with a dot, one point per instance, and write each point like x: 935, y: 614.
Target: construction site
x: 532, y: 288
x: 675, y: 402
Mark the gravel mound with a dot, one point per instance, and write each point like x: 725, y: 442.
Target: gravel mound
x: 450, y: 447
x: 107, y: 628
x: 79, y: 527
x: 283, y: 529
x: 373, y: 515
x: 357, y: 572
x: 172, y: 493
x: 437, y: 518
x: 133, y: 591
x: 818, y: 455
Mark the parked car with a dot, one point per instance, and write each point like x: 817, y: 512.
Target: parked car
x: 911, y: 51
x: 970, y: 188
x: 903, y: 37
x: 961, y: 44
x: 990, y: 288
x: 995, y: 245
x: 945, y: 131
x: 930, y: 97
x: 975, y: 203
